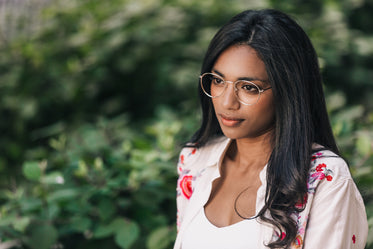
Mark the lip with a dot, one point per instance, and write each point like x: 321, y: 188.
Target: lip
x: 230, y: 121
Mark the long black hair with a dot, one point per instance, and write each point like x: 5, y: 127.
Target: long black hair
x: 300, y: 111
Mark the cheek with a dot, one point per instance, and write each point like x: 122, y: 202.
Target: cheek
x: 214, y: 104
x: 271, y: 115
x: 269, y: 112
x: 266, y: 111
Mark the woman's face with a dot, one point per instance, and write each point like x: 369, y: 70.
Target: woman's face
x: 236, y: 119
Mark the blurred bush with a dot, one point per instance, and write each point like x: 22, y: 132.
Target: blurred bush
x: 102, y: 186
x: 97, y: 98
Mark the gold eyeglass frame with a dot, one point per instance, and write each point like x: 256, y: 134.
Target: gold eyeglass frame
x: 235, y: 87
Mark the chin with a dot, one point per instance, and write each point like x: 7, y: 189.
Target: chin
x: 234, y: 135
x: 247, y: 135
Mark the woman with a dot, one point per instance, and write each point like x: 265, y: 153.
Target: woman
x: 263, y: 170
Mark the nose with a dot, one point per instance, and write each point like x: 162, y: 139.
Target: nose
x: 229, y: 98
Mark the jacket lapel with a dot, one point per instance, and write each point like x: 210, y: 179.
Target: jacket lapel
x: 208, y: 172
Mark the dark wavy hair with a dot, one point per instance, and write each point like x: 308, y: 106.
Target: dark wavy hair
x: 300, y: 111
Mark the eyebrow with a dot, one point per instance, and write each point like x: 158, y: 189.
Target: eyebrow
x: 241, y: 78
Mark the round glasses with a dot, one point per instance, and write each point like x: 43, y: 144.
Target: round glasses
x: 246, y: 91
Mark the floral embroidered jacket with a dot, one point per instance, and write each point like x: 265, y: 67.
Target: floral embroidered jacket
x: 334, y: 215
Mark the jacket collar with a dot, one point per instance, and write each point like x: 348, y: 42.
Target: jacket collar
x: 220, y: 146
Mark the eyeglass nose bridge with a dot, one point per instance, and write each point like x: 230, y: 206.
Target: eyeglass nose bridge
x: 226, y: 86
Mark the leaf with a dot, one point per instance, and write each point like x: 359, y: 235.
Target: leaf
x: 7, y: 220
x: 98, y: 164
x: 103, y: 231
x: 117, y: 223
x: 54, y: 178
x: 63, y: 195
x: 160, y: 238
x: 52, y: 211
x: 80, y: 224
x: 127, y: 234
x: 31, y: 170
x: 20, y: 224
x: 42, y: 236
x: 106, y: 209
x: 30, y: 204
x: 82, y: 170
x: 363, y: 144
x: 335, y: 101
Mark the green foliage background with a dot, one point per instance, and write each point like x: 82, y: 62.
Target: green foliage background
x: 98, y: 96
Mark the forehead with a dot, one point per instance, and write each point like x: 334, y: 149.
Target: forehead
x: 239, y: 61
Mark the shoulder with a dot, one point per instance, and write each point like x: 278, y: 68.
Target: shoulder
x: 327, y: 165
x: 334, y: 210
x: 329, y: 174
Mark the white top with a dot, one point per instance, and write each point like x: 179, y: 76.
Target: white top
x: 333, y: 217
x: 201, y: 233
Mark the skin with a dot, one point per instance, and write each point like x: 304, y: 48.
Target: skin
x: 250, y: 127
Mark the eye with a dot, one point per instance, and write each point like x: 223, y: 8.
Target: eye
x: 248, y: 87
x: 217, y: 81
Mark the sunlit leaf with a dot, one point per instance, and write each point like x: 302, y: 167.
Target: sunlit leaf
x: 32, y: 170
x: 20, y: 224
x: 126, y: 235
x: 54, y: 178
x: 160, y: 238
x: 364, y: 144
x: 63, y: 195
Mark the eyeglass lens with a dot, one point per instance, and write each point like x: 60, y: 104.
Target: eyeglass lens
x: 214, y: 86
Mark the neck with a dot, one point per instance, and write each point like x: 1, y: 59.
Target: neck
x: 251, y: 153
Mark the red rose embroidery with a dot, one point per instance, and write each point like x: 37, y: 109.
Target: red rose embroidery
x: 320, y: 167
x: 354, y: 239
x: 194, y: 151
x: 182, y: 159
x: 186, y: 186
x: 320, y: 173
